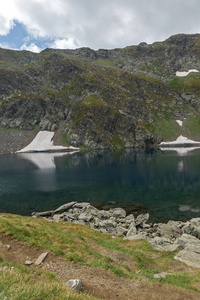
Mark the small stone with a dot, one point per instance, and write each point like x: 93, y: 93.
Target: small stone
x: 41, y: 258
x: 28, y: 262
x: 66, y: 230
x: 161, y: 275
x: 8, y: 247
x: 75, y: 284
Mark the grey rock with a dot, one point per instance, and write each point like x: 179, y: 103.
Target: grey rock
x: 190, y: 258
x: 41, y: 258
x: 141, y: 219
x: 188, y: 240
x: 85, y: 216
x: 165, y: 240
x: 130, y: 217
x: 103, y: 214
x: 28, y: 262
x: 81, y: 205
x: 43, y: 214
x: 107, y: 224
x: 75, y: 284
x: 121, y: 230
x: 161, y: 275
x: 64, y: 207
x: 94, y: 211
x: 171, y: 247
x: 103, y: 230
x: 197, y: 232
x: 118, y: 212
x: 139, y: 236
x: 195, y: 221
x: 132, y: 230
x: 58, y: 217
x: 79, y: 222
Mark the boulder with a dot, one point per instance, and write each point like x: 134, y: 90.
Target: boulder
x: 103, y: 214
x: 190, y: 258
x: 85, y: 216
x: 118, y: 212
x: 188, y: 240
x: 141, y: 220
x: 132, y: 230
x: 64, y: 207
x: 136, y: 237
x: 83, y: 205
x: 121, y: 230
x: 75, y: 284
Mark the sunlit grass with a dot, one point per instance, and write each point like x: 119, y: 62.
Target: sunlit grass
x: 85, y: 246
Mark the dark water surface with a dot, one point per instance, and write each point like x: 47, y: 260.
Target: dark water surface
x: 163, y: 183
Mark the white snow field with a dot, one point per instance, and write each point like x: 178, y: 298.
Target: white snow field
x: 43, y: 142
x: 181, y: 140
x: 182, y: 74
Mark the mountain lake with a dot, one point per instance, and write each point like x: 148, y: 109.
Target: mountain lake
x: 166, y: 184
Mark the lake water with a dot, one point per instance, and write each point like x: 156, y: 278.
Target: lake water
x: 163, y: 183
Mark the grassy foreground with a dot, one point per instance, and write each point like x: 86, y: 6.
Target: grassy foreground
x: 134, y: 260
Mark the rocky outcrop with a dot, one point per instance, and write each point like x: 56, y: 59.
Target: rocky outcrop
x: 183, y: 238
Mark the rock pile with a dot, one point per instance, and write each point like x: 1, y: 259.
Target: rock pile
x: 115, y: 221
x: 180, y: 237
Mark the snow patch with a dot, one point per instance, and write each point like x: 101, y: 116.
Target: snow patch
x: 182, y: 74
x: 180, y: 123
x: 43, y: 142
x: 181, y: 140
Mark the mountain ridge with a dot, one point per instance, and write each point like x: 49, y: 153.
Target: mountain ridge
x: 118, y: 98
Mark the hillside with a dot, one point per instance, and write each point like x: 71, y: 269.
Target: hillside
x: 102, y: 99
x: 110, y: 268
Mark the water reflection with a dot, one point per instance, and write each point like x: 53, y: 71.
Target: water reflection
x: 162, y: 183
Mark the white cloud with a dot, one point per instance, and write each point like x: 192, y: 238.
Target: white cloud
x: 64, y: 44
x: 101, y: 23
x: 4, y: 45
x: 32, y: 47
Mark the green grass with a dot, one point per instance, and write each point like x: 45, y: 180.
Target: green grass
x: 20, y: 283
x: 84, y: 246
x: 105, y: 62
x: 165, y: 128
x: 189, y: 83
x: 192, y: 127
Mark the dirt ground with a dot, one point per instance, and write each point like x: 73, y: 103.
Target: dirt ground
x: 96, y: 282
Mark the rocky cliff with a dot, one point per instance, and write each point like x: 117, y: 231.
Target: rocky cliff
x: 104, y: 99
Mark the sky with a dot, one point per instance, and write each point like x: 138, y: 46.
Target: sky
x: 68, y: 24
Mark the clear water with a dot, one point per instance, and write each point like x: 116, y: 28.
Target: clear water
x: 165, y: 184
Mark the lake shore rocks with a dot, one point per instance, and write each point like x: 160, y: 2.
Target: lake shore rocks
x: 183, y: 238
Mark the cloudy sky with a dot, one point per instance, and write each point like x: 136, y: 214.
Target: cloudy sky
x: 37, y: 24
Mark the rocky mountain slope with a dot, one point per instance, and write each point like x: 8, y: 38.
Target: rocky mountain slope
x: 104, y: 99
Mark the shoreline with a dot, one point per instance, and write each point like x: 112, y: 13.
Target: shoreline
x: 182, y: 238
